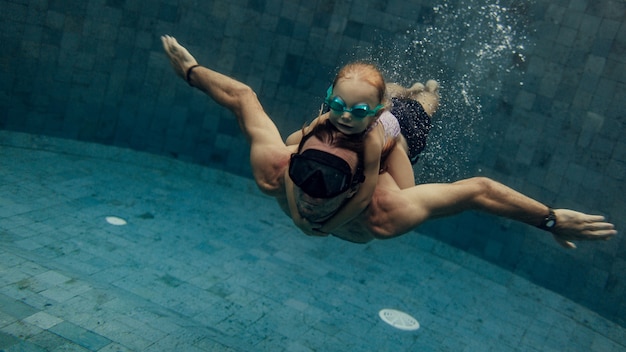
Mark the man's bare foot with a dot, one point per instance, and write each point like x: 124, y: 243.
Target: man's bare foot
x: 432, y: 86
x: 180, y: 58
x: 416, y: 88
x: 394, y: 90
x: 427, y: 95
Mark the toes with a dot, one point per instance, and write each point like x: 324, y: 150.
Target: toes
x: 432, y: 86
x: 416, y: 88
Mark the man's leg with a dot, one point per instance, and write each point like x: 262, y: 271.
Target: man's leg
x: 268, y: 154
x: 399, y: 167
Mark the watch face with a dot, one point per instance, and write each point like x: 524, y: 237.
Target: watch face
x: 549, y: 222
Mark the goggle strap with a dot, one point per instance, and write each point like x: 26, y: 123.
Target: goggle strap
x: 329, y: 92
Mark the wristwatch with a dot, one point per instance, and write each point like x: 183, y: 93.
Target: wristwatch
x: 549, y: 222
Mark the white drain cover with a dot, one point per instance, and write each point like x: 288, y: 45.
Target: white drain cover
x: 114, y: 220
x: 398, y: 319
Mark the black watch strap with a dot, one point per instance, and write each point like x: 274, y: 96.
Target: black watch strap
x: 549, y: 222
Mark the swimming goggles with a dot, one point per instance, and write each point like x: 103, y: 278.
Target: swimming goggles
x: 320, y: 174
x: 337, y: 105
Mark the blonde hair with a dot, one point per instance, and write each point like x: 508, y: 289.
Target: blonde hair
x: 367, y: 72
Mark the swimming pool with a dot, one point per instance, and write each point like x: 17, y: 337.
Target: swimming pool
x: 205, y: 262
x: 531, y: 96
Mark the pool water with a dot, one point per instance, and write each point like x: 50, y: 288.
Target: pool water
x: 128, y: 219
x: 205, y: 262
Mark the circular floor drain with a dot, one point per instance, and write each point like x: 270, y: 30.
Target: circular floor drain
x: 114, y: 220
x: 398, y: 319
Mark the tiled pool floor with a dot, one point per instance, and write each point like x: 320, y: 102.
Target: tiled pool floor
x: 207, y: 263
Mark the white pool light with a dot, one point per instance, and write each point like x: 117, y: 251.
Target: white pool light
x: 114, y: 220
x: 398, y: 319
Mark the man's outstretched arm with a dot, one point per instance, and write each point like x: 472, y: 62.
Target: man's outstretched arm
x: 396, y: 212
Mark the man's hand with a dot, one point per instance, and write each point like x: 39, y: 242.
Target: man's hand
x: 576, y: 226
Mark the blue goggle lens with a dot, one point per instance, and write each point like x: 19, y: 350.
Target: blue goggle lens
x: 337, y: 105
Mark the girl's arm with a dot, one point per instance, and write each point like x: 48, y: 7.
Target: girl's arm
x: 362, y: 198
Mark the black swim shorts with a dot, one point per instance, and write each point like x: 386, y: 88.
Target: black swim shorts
x: 414, y: 124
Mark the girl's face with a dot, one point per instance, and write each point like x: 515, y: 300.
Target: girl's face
x: 353, y: 91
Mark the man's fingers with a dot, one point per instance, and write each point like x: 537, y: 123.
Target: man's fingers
x: 599, y: 230
x: 594, y: 218
x: 600, y: 225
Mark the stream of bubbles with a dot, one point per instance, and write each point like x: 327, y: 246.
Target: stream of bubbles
x: 472, y: 49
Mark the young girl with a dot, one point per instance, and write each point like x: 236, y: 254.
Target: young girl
x: 358, y: 107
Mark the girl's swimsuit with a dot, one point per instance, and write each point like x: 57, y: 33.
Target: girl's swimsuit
x: 390, y: 125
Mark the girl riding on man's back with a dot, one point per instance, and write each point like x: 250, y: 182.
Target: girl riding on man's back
x: 357, y: 106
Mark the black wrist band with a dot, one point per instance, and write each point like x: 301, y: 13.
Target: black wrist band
x: 189, y: 73
x: 549, y: 222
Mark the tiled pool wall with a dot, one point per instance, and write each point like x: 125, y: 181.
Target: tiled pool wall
x: 532, y: 96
